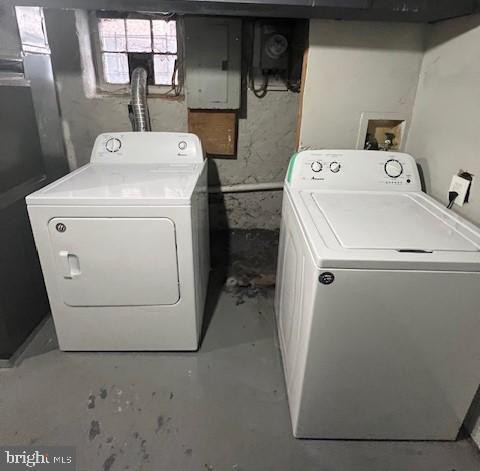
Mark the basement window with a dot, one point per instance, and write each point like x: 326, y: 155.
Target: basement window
x: 31, y: 26
x: 128, y: 41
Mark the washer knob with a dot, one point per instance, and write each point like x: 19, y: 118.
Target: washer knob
x: 113, y: 144
x: 393, y: 168
x: 316, y: 166
x: 182, y: 145
x: 335, y: 167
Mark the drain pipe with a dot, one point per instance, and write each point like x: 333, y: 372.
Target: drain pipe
x: 244, y: 187
x: 138, y: 103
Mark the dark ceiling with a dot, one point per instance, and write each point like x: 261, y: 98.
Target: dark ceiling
x: 389, y: 10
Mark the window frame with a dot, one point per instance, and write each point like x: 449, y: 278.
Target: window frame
x: 105, y: 88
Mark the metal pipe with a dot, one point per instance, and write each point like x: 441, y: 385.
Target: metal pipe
x: 244, y: 187
x: 138, y: 103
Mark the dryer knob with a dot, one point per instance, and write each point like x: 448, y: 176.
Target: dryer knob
x: 393, y: 168
x: 113, y: 144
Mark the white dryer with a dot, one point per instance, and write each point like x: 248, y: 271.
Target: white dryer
x: 124, y: 246
x: 377, y: 301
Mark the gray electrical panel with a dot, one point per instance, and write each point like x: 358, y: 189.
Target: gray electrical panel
x: 213, y: 62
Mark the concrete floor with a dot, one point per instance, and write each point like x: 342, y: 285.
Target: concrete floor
x: 223, y: 408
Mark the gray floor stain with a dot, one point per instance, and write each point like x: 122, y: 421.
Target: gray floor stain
x: 171, y: 395
x: 143, y: 445
x: 91, y: 402
x: 143, y: 448
x: 109, y: 462
x: 160, y: 422
x: 188, y: 452
x: 103, y: 393
x: 94, y: 430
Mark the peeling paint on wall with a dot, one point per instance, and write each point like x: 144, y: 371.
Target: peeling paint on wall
x: 265, y: 144
x: 259, y: 210
x: 69, y: 147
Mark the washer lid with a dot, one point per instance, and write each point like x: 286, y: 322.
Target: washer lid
x: 391, y: 221
x: 132, y: 184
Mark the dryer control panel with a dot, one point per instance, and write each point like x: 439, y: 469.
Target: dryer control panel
x: 353, y: 170
x: 147, y: 147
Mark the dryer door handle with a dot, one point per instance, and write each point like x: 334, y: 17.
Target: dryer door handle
x: 70, y: 264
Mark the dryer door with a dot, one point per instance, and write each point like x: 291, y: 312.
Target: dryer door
x: 115, y: 261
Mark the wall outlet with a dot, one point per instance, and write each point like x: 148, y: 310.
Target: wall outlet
x: 460, y: 185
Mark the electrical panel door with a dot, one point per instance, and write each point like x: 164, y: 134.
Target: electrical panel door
x: 212, y: 62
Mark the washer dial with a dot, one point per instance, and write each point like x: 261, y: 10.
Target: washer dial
x: 316, y: 166
x: 335, y: 167
x: 393, y: 168
x: 113, y: 144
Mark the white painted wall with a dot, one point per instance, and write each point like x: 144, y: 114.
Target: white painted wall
x: 356, y: 67
x: 444, y: 135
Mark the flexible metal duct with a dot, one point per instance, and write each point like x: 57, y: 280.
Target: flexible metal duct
x: 139, y: 105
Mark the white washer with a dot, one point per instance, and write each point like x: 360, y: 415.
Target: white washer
x: 123, y: 244
x: 377, y: 301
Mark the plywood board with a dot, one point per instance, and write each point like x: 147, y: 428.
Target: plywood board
x: 217, y: 129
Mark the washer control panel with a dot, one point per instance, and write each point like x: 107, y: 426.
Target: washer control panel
x: 353, y: 170
x: 147, y: 147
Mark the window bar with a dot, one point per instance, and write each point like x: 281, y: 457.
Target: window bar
x: 151, y: 38
x: 127, y: 47
x: 126, y: 34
